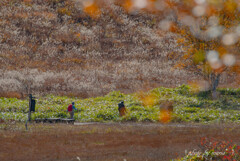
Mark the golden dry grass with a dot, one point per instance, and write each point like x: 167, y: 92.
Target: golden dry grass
x: 50, y: 46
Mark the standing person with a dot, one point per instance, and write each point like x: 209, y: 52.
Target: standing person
x: 71, y: 109
x: 121, y: 109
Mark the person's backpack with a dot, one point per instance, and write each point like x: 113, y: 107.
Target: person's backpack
x: 120, y: 105
x: 70, y: 108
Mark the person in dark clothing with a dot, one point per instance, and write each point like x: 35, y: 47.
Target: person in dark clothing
x: 122, y: 109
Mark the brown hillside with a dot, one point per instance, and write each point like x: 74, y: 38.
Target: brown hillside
x: 54, y: 46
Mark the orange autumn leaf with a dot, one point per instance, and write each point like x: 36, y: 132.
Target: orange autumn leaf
x: 92, y: 10
x: 128, y: 5
x: 147, y: 99
x: 165, y: 116
x: 221, y: 50
x: 27, y: 1
x: 211, y: 11
x: 230, y: 6
x: 186, y: 56
x: 173, y: 27
x: 219, y: 70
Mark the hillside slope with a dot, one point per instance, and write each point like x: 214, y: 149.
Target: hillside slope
x: 53, y: 46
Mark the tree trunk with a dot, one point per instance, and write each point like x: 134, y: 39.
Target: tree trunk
x: 214, y: 83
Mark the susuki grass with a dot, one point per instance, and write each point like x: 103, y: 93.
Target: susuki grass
x: 54, y: 47
x: 188, y: 106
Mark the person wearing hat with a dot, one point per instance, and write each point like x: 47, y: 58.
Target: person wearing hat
x: 71, y: 109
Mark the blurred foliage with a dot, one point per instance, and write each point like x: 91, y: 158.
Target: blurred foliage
x: 205, y: 27
x: 209, y: 33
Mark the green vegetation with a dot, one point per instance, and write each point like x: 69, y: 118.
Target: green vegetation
x: 188, y: 106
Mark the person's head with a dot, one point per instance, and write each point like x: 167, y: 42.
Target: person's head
x: 73, y: 103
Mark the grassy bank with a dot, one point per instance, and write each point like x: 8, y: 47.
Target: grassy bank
x: 188, y: 106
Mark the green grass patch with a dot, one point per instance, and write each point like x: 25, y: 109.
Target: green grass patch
x: 188, y: 106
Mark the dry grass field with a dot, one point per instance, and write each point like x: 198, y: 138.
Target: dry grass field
x: 107, y: 142
x: 50, y: 46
